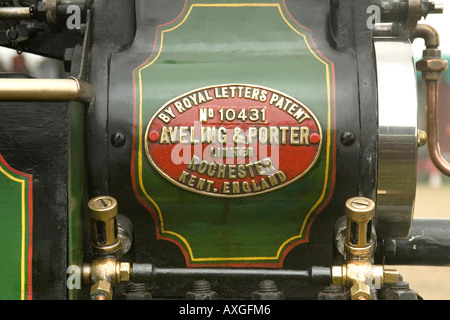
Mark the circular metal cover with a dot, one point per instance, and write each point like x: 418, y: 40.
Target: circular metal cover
x: 397, y: 151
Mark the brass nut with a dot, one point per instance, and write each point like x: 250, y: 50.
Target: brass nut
x: 432, y: 64
x: 390, y: 276
x: 102, y: 290
x: 124, y: 271
x: 360, y: 291
x: 339, y: 275
x: 432, y: 68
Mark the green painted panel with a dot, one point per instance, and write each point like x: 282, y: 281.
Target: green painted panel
x: 77, y: 197
x: 221, y: 42
x: 15, y: 233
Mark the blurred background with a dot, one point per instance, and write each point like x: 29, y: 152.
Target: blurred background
x: 433, y: 192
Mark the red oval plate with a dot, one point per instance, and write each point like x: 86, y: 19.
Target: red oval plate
x: 233, y: 140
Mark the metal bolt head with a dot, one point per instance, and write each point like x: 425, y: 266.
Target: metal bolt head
x: 118, y: 139
x: 360, y: 291
x: 432, y: 64
x: 101, y: 289
x: 390, y: 276
x: 348, y: 138
x: 124, y: 271
x: 267, y: 290
x: 12, y: 34
x: 201, y: 290
x: 399, y: 291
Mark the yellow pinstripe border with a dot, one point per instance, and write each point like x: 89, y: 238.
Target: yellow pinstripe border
x: 300, y: 235
x: 23, y: 231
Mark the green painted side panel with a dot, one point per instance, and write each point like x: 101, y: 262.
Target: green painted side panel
x: 222, y: 42
x: 77, y: 198
x: 15, y: 233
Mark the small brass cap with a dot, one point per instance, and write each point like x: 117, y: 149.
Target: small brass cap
x: 360, y: 209
x: 421, y: 138
x: 103, y: 208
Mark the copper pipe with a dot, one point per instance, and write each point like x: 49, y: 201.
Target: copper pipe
x: 45, y: 90
x: 432, y: 128
x: 432, y: 66
x: 428, y: 34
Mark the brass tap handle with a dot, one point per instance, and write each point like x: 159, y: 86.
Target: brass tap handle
x: 360, y: 212
x: 103, y: 212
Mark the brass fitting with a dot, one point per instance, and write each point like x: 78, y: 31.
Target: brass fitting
x: 432, y: 65
x: 359, y: 274
x: 358, y: 241
x: 362, y: 271
x: 360, y: 291
x: 421, y: 138
x: 103, y: 211
x: 105, y: 273
x: 102, y: 290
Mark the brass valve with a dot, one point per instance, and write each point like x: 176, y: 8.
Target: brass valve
x: 358, y: 241
x: 358, y: 273
x: 104, y: 274
x: 105, y: 239
x: 109, y: 241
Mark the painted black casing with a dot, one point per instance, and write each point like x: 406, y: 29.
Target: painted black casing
x: 34, y: 140
x: 339, y: 29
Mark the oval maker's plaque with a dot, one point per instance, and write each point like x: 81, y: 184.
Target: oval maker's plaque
x: 233, y: 140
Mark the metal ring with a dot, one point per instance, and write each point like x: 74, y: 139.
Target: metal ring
x: 414, y: 14
x: 398, y: 145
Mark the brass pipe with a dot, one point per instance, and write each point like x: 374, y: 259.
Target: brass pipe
x: 432, y: 66
x: 16, y: 13
x: 46, y: 90
x: 426, y: 32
